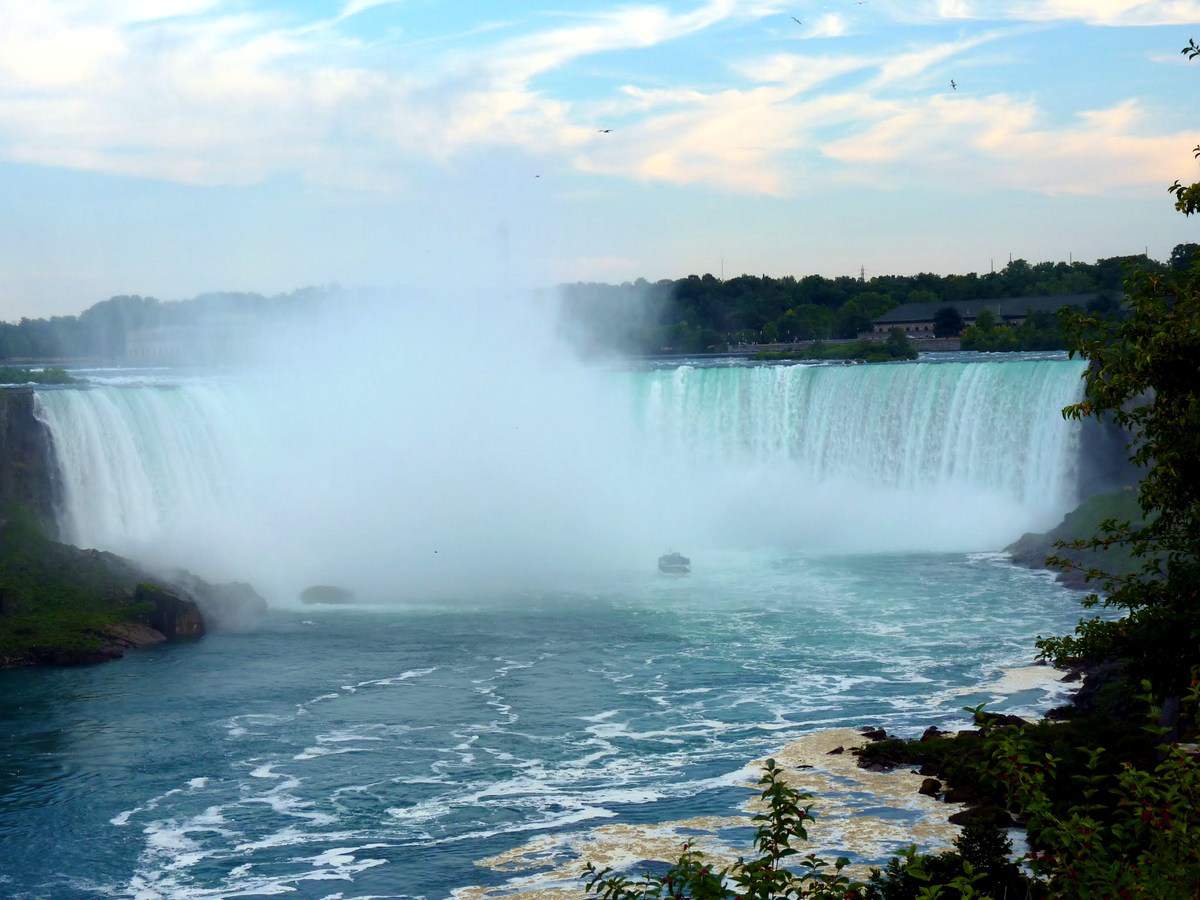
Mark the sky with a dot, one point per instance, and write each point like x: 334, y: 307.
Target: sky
x: 173, y: 147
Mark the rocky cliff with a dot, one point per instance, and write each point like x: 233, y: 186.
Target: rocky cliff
x: 27, y: 473
x: 1081, y: 524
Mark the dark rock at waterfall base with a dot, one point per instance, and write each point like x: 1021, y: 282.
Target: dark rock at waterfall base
x: 232, y: 606
x: 169, y: 614
x: 326, y: 595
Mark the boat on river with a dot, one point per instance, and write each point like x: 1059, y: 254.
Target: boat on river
x: 674, y: 564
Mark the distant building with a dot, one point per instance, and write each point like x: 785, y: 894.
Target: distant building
x: 916, y: 319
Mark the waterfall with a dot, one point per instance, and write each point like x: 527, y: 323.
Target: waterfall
x: 132, y: 460
x: 325, y: 481
x: 995, y: 426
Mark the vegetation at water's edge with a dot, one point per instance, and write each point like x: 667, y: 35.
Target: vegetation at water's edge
x: 897, y: 346
x: 57, y: 601
x: 11, y: 375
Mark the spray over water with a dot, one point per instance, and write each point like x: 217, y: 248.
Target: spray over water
x: 413, y: 448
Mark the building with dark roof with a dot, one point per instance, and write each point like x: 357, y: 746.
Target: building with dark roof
x: 916, y: 319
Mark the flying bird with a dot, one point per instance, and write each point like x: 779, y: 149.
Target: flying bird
x: 605, y: 130
x: 797, y: 21
x: 953, y: 84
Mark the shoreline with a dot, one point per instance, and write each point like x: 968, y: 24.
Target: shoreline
x: 862, y: 810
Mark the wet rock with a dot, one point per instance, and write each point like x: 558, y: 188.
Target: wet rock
x: 326, y: 594
x: 931, y: 733
x: 233, y: 606
x: 836, y: 751
x: 930, y: 787
x: 131, y: 635
x: 1002, y: 720
x: 983, y: 815
x: 874, y: 734
x: 169, y: 613
x: 961, y: 795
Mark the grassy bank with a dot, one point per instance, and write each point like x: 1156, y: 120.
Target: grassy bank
x: 59, y: 603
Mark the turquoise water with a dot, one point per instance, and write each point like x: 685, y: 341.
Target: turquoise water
x: 380, y: 752
x: 842, y: 522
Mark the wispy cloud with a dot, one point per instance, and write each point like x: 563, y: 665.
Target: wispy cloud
x: 1093, y: 12
x: 214, y: 92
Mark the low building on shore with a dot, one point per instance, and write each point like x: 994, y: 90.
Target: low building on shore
x: 917, y: 319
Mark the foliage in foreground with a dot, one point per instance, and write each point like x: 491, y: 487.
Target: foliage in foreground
x: 1127, y: 831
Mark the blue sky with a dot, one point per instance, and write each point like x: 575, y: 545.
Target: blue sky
x: 170, y: 147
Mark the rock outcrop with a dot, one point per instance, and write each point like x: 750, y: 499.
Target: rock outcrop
x: 27, y: 474
x: 232, y: 606
x: 169, y: 614
x: 1084, y: 522
x: 60, y: 605
x: 327, y: 595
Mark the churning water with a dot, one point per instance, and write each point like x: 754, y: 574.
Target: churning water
x: 290, y: 484
x: 381, y: 750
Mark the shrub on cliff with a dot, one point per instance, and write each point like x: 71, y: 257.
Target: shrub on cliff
x: 10, y: 375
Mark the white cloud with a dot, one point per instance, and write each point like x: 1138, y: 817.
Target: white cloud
x: 1092, y: 12
x: 1003, y: 140
x: 200, y: 92
x: 828, y: 25
x: 225, y: 96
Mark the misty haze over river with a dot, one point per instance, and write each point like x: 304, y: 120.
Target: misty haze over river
x: 514, y: 666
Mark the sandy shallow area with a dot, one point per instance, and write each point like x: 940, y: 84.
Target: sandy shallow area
x: 865, y: 815
x: 858, y: 812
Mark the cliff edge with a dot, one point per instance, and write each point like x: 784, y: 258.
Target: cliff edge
x: 27, y: 477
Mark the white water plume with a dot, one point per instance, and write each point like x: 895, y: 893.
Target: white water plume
x: 411, y: 449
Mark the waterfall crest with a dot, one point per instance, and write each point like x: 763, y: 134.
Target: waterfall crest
x: 993, y: 426
x: 494, y: 484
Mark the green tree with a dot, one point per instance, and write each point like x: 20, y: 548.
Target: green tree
x: 899, y: 346
x: 1183, y: 255
x: 1144, y: 375
x: 987, y: 321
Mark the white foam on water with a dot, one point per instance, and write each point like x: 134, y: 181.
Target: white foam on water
x: 319, y: 752
x: 396, y: 679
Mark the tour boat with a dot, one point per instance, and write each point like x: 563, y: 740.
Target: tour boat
x: 674, y: 564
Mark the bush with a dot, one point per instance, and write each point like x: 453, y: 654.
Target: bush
x: 10, y: 375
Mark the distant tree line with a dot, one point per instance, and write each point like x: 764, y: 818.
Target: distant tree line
x: 687, y: 315
x: 104, y: 330
x: 702, y: 312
